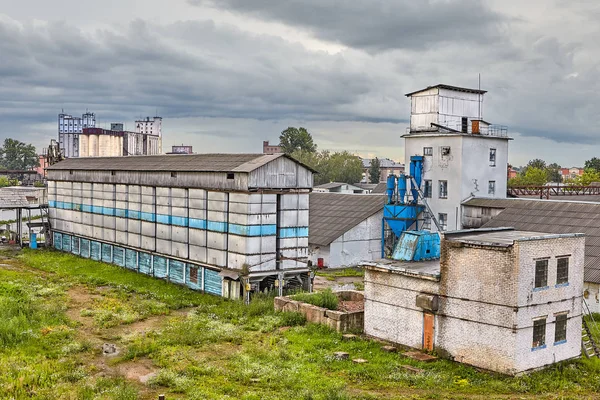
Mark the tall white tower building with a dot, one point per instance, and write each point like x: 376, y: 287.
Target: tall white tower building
x: 464, y: 155
x: 69, y: 130
x: 151, y: 127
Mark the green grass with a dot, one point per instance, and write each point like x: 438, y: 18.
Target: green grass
x: 218, y: 350
x: 326, y: 299
x: 345, y: 272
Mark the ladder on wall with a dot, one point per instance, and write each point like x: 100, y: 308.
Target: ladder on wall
x: 588, y: 344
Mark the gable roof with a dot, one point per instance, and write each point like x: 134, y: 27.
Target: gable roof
x: 333, y: 214
x: 448, y: 87
x: 552, y: 216
x: 174, y: 162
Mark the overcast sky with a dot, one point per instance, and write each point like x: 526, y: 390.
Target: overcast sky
x: 227, y: 74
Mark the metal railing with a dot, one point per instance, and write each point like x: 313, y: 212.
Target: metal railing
x: 548, y: 191
x: 484, y: 130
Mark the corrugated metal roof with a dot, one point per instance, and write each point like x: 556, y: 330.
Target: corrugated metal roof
x: 15, y: 197
x: 333, y: 214
x: 380, y: 188
x: 173, y: 162
x: 552, y: 216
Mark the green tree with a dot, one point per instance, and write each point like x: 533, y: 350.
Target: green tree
x: 4, y: 182
x: 536, y: 163
x: 374, y: 171
x: 589, y: 175
x: 18, y: 155
x: 594, y: 164
x: 553, y: 172
x: 332, y: 167
x: 535, y: 177
x: 294, y: 139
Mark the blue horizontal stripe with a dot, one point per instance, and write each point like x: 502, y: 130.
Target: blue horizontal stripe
x: 197, y: 223
x: 293, y: 232
x: 214, y: 226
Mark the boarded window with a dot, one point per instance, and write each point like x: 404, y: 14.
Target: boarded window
x: 443, y: 189
x: 560, y: 328
x: 427, y: 151
x: 562, y: 270
x: 194, y: 275
x: 541, y: 273
x: 539, y: 332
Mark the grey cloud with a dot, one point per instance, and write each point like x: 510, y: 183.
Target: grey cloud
x: 377, y: 25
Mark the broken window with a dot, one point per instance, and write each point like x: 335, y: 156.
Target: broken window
x: 443, y: 221
x: 541, y: 273
x: 445, y: 151
x: 492, y: 157
x: 443, y: 189
x: 428, y: 189
x: 539, y: 333
x: 427, y: 151
x: 562, y: 270
x: 492, y: 187
x: 560, y: 328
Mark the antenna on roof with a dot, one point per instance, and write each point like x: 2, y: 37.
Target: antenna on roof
x: 479, y: 99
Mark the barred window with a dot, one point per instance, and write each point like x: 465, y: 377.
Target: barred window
x: 541, y: 273
x: 443, y: 189
x: 428, y: 189
x: 560, y: 328
x: 427, y: 151
x: 539, y: 332
x: 562, y: 270
x: 492, y: 157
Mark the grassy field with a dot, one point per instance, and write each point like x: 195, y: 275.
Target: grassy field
x: 57, y: 310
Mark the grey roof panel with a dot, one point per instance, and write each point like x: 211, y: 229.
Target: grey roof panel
x: 333, y: 214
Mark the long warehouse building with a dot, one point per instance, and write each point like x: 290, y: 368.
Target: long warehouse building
x: 220, y: 223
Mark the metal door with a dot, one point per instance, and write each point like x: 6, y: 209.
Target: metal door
x: 428, y: 329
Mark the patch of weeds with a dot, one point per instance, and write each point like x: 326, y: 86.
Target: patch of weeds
x: 345, y: 272
x: 178, y: 383
x: 359, y: 286
x: 326, y: 299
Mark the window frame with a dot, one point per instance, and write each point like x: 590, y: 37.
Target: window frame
x: 444, y: 225
x: 442, y: 194
x: 428, y: 184
x: 492, y: 187
x: 492, y: 159
x: 539, y: 334
x: 543, y: 284
x: 561, y: 329
x: 428, y: 151
x: 564, y: 276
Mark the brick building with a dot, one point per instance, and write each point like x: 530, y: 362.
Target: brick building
x: 271, y: 148
x: 504, y: 300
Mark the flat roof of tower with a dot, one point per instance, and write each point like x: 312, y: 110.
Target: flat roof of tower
x: 449, y: 87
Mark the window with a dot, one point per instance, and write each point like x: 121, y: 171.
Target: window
x: 113, y: 173
x: 230, y: 176
x: 428, y: 189
x: 445, y: 151
x: 492, y: 187
x: 173, y: 174
x: 492, y: 157
x: 562, y: 270
x: 539, y: 333
x: 443, y: 189
x: 427, y: 151
x: 443, y: 221
x: 541, y: 273
x: 194, y: 274
x: 560, y: 329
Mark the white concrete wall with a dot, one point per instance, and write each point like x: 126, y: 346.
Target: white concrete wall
x: 592, y: 291
x: 361, y: 243
x: 467, y: 169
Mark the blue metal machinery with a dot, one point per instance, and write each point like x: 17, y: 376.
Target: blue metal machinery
x: 401, y: 213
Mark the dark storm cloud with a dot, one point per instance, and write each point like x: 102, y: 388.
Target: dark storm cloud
x: 377, y: 25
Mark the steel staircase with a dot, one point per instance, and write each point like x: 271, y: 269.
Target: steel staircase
x: 588, y: 344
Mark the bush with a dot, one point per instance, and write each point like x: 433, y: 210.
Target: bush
x: 290, y: 318
x: 326, y: 299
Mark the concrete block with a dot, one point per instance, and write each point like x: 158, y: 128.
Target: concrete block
x: 197, y: 237
x: 108, y: 222
x: 147, y: 207
x: 109, y: 235
x: 121, y: 237
x: 163, y: 246
x: 163, y: 231
x: 163, y: 192
x: 216, y: 240
x: 197, y: 254
x: 216, y: 197
x: 262, y: 208
x: 236, y: 261
x: 179, y: 250
x: 178, y: 202
x: 147, y: 191
x: 148, y: 228
x: 197, y: 194
x: 134, y: 226
x: 121, y: 224
x: 239, y: 198
x: 148, y: 243
x: 134, y: 240
x: 289, y: 202
x: 216, y: 257
x: 165, y: 210
x: 179, y: 234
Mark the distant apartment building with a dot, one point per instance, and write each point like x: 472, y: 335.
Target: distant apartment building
x: 570, y: 173
x: 41, y: 169
x: 69, y: 129
x: 181, y: 150
x: 387, y: 167
x: 271, y: 148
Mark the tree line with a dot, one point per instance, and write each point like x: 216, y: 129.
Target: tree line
x: 538, y: 173
x: 339, y: 166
